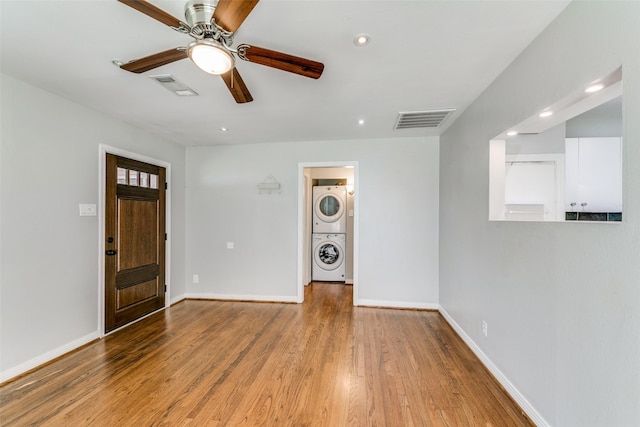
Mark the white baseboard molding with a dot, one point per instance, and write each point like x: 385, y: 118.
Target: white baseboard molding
x: 249, y: 298
x: 398, y: 304
x: 176, y: 300
x: 47, y: 357
x: 526, y: 406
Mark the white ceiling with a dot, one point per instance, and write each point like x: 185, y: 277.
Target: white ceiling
x: 423, y: 55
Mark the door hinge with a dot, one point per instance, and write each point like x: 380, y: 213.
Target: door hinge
x: 166, y: 186
x: 165, y: 288
x: 165, y: 236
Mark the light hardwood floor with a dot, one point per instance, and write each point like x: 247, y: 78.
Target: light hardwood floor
x: 217, y: 363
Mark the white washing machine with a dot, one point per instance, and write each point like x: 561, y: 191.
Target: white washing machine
x: 330, y: 209
x: 328, y: 257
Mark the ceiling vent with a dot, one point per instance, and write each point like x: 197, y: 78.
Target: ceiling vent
x: 173, y: 85
x: 422, y: 119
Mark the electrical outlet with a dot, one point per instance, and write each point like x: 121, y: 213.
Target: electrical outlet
x: 196, y: 278
x: 484, y: 328
x: 230, y: 245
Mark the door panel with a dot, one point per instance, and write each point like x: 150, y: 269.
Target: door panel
x: 138, y: 239
x: 135, y: 240
x: 134, y: 294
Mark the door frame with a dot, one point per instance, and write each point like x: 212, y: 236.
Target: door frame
x: 102, y: 185
x: 304, y: 231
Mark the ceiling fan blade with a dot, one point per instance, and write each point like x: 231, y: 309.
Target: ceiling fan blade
x: 281, y: 61
x: 157, y: 14
x: 230, y: 14
x: 236, y: 86
x: 153, y: 61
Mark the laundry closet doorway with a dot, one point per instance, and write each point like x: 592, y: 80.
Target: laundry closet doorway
x: 329, y: 174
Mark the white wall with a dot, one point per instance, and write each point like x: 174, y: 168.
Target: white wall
x: 562, y: 300
x: 604, y: 121
x: 549, y: 141
x: 49, y: 278
x: 398, y: 235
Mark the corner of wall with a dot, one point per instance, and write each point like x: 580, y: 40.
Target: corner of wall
x: 515, y: 394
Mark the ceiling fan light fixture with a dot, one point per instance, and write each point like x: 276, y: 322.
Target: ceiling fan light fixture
x: 211, y: 56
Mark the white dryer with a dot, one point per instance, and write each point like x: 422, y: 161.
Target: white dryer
x: 328, y: 257
x: 329, y: 209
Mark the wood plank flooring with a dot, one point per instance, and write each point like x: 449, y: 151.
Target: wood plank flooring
x: 217, y: 363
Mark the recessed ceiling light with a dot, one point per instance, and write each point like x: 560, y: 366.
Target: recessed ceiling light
x: 361, y: 121
x: 545, y: 114
x: 594, y: 88
x: 361, y: 40
x: 223, y: 129
x: 512, y: 133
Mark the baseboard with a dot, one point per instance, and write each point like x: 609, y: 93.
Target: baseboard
x: 176, y: 300
x: 47, y: 357
x: 232, y: 297
x: 397, y: 304
x: 515, y: 394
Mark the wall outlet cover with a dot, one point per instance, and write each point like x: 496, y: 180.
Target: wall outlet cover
x: 88, y: 209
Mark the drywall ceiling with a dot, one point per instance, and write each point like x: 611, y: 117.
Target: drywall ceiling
x: 423, y: 55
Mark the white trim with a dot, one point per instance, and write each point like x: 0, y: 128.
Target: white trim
x: 47, y: 357
x: 134, y: 321
x: 177, y: 300
x: 497, y: 168
x: 103, y: 151
x: 238, y: 297
x: 301, y: 222
x: 398, y: 304
x: 525, y: 405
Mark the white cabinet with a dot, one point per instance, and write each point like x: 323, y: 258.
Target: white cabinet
x: 593, y: 175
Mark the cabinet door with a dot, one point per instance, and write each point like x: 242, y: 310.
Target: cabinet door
x: 572, y: 171
x: 594, y: 174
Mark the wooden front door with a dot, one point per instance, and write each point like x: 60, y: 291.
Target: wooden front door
x: 135, y: 240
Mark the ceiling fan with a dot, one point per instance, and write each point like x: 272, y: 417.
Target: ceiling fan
x: 212, y: 24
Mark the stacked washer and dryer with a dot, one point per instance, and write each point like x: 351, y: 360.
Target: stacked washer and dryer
x: 329, y: 240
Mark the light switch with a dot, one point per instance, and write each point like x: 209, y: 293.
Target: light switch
x: 350, y: 212
x: 88, y: 210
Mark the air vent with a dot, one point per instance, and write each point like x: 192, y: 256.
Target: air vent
x: 173, y: 85
x: 164, y: 79
x: 422, y: 119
